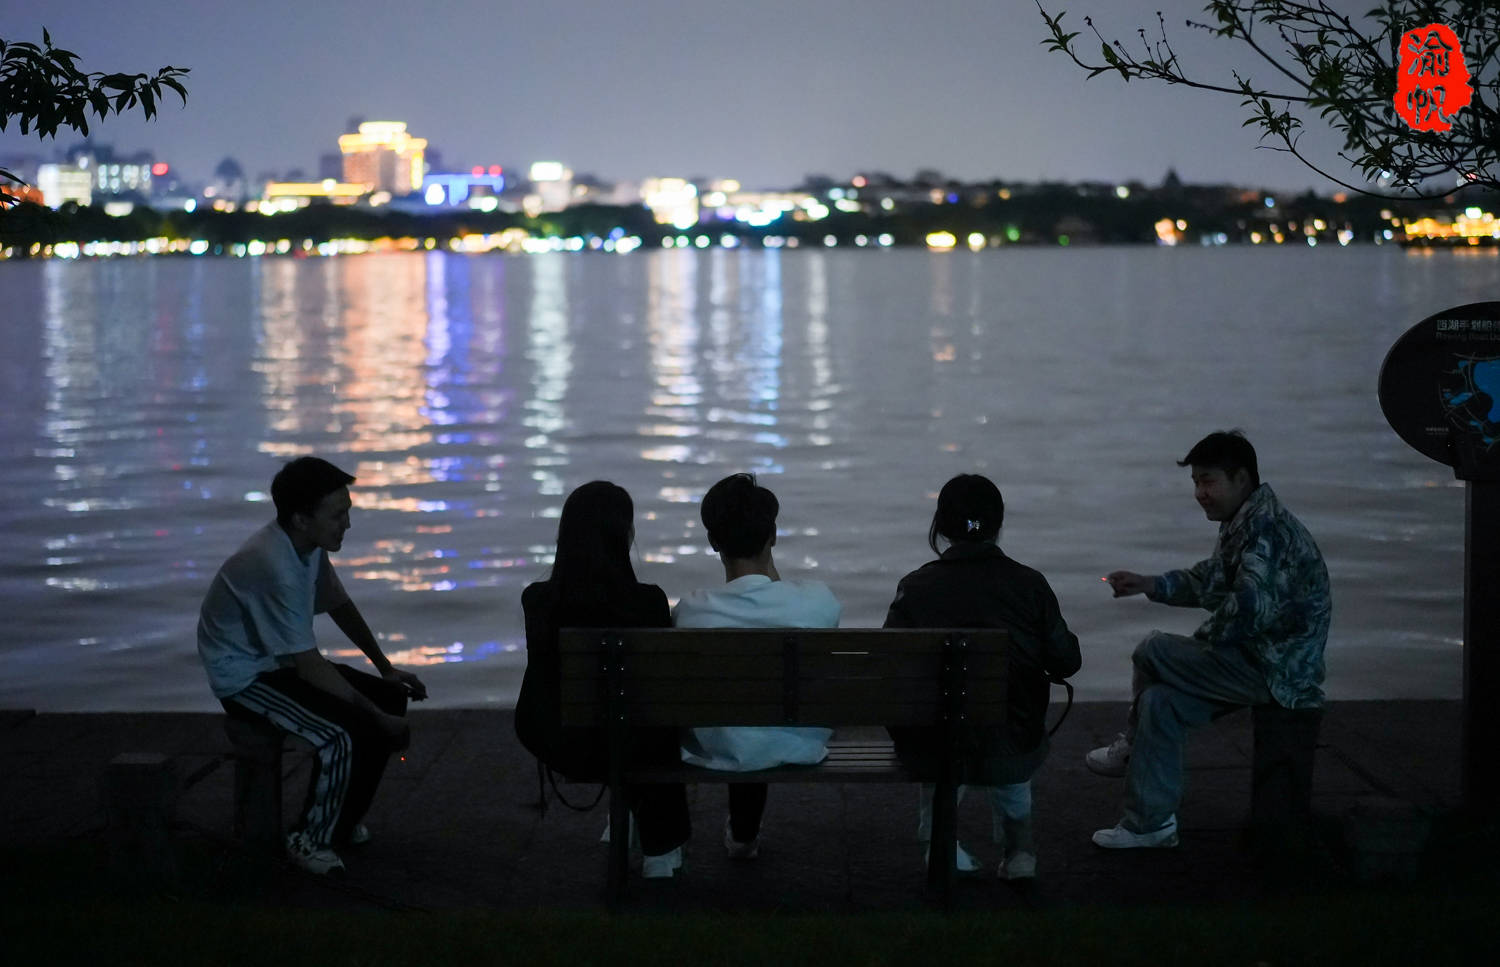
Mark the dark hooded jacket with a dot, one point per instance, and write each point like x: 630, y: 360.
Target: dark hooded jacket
x: 975, y: 585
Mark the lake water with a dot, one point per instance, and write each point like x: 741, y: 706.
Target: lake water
x: 149, y: 401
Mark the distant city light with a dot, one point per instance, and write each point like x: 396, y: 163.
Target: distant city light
x: 547, y: 171
x: 941, y: 241
x: 1121, y: 191
x: 159, y: 169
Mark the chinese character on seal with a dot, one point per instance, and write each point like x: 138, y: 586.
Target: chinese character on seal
x: 1432, y: 80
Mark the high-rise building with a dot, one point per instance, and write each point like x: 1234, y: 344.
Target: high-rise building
x: 383, y: 157
x: 63, y: 183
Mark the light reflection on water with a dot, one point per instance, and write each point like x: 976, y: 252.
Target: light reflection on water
x: 150, y: 401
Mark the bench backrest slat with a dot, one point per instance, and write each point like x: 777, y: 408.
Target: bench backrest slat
x: 858, y: 676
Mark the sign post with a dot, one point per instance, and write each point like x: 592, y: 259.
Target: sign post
x: 1440, y: 391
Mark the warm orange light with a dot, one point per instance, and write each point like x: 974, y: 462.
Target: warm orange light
x: 494, y: 170
x: 160, y: 168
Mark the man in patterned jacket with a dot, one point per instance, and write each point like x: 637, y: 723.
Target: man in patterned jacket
x: 1266, y: 591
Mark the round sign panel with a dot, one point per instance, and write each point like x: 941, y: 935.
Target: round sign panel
x: 1440, y: 389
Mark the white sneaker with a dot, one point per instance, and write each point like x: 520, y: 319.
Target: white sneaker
x: 1020, y: 865
x: 1111, y: 760
x: 737, y: 850
x: 963, y: 861
x: 311, y: 857
x: 359, y: 835
x: 661, y: 867
x: 1118, y: 837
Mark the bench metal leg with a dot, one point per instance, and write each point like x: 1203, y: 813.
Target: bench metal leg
x: 619, y: 845
x: 942, y: 854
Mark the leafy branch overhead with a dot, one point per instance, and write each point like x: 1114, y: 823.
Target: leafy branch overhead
x: 42, y: 90
x: 1341, y: 68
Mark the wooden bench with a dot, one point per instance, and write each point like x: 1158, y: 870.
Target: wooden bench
x: 619, y: 679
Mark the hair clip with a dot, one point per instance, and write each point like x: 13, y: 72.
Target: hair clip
x: 974, y: 526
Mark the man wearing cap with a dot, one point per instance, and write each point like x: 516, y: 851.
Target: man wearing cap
x: 1266, y: 591
x: 255, y: 637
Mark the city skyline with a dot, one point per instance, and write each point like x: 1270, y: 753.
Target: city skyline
x: 765, y: 95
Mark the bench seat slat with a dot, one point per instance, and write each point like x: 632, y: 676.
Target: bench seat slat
x: 860, y: 762
x: 687, y: 715
x: 664, y: 693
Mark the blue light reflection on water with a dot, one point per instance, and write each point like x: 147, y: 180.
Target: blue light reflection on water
x: 152, y: 399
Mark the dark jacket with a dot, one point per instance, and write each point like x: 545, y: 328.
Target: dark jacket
x: 974, y: 585
x: 579, y: 753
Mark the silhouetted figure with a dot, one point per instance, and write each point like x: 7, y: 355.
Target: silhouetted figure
x: 973, y: 584
x: 255, y: 636
x: 593, y: 585
x: 1266, y: 591
x: 740, y: 517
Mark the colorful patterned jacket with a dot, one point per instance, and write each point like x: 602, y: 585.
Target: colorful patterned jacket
x: 1267, y: 589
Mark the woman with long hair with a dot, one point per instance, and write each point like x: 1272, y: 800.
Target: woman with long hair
x: 593, y: 585
x: 973, y: 584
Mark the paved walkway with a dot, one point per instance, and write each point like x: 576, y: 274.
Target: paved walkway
x: 456, y: 823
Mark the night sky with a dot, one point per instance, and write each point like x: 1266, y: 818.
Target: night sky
x: 764, y: 91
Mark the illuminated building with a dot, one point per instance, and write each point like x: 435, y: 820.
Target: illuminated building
x: 673, y: 201
x: 479, y: 189
x: 551, y: 188
x: 61, y: 184
x: 1473, y: 227
x: 285, y: 196
x: 383, y: 157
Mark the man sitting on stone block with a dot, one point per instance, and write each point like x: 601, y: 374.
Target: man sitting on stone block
x: 1266, y: 591
x: 255, y: 636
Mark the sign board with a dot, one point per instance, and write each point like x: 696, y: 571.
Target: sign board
x: 1440, y: 389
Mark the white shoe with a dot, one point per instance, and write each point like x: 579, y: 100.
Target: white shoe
x: 661, y: 867
x: 1111, y: 760
x: 1020, y: 865
x: 737, y: 850
x: 963, y: 861
x: 359, y: 835
x: 311, y: 857
x: 1118, y: 837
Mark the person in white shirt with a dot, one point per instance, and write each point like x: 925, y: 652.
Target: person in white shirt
x: 255, y: 637
x: 740, y: 517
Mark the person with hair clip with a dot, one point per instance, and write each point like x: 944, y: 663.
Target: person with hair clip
x: 740, y: 516
x: 593, y: 585
x: 973, y: 584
